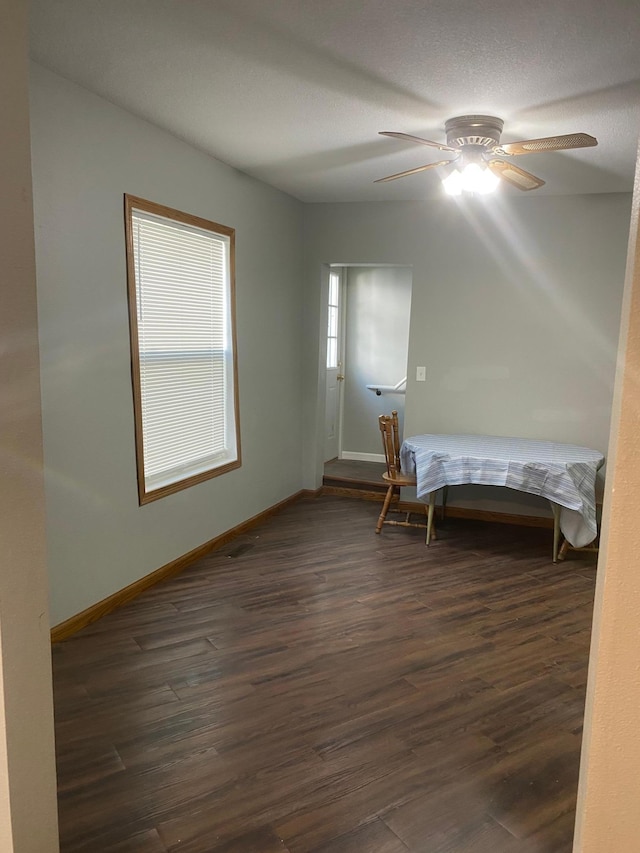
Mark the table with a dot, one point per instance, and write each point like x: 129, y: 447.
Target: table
x: 565, y: 474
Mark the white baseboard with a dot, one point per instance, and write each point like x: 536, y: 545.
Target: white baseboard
x: 362, y: 457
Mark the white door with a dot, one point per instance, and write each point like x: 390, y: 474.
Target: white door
x: 335, y: 375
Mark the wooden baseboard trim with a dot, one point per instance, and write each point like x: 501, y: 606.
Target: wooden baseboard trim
x: 482, y: 515
x: 362, y: 457
x: 128, y: 593
x: 309, y: 493
x: 452, y: 511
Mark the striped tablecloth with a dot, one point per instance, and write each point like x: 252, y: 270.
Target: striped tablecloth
x: 563, y: 473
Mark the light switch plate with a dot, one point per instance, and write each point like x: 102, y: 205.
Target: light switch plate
x: 421, y: 374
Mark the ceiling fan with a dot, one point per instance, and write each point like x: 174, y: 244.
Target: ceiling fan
x: 475, y: 140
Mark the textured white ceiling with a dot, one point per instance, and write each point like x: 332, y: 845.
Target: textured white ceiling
x: 294, y: 92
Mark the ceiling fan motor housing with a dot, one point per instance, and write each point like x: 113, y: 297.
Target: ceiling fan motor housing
x: 483, y: 131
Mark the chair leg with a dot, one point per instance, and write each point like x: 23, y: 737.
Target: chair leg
x: 385, y: 508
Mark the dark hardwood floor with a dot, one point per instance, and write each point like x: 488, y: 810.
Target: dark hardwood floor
x: 315, y: 688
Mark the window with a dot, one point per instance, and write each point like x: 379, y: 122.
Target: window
x: 333, y: 318
x: 180, y: 273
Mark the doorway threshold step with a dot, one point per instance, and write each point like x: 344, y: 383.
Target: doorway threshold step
x: 352, y: 474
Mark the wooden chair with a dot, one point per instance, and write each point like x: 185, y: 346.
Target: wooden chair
x: 395, y: 478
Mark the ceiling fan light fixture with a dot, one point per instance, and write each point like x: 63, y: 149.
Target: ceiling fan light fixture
x: 479, y: 165
x: 474, y: 178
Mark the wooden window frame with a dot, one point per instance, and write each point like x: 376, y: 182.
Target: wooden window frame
x: 131, y: 203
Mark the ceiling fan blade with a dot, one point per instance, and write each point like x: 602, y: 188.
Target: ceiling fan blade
x: 414, y: 171
x: 547, y: 143
x: 514, y: 175
x: 409, y: 138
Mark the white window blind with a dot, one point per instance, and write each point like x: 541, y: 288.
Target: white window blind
x: 185, y: 349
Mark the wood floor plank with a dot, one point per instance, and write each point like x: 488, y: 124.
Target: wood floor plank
x: 375, y: 836
x: 314, y: 688
x: 261, y: 840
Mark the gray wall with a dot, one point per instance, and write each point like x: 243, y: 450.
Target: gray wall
x: 86, y: 154
x: 515, y: 312
x: 378, y: 308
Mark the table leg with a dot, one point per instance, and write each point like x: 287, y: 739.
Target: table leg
x: 555, y: 508
x: 432, y: 503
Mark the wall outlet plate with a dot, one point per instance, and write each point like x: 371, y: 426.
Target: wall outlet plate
x: 421, y: 374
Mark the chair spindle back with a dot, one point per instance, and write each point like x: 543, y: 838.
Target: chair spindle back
x: 391, y: 442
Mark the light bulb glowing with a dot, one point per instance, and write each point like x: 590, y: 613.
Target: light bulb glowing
x: 453, y: 183
x: 474, y: 178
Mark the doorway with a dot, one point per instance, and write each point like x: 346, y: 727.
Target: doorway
x: 369, y: 309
